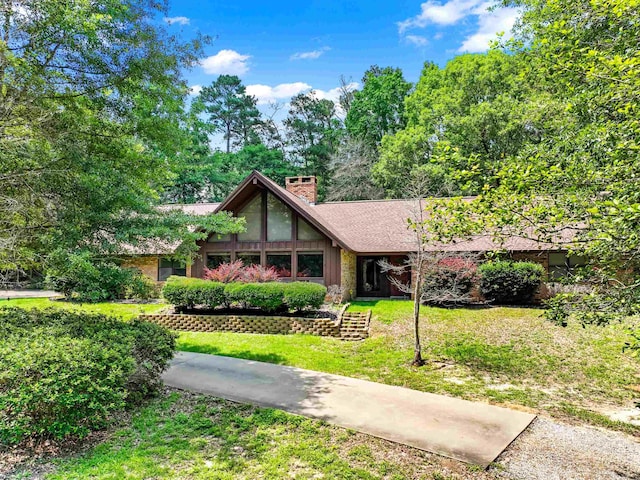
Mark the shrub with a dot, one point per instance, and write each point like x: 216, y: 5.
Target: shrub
x: 449, y: 280
x: 259, y: 274
x: 266, y: 296
x: 301, y: 295
x: 225, y: 272
x: 82, y: 277
x: 189, y: 292
x: 508, y: 283
x: 65, y: 373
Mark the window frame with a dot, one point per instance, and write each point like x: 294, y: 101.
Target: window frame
x: 172, y: 268
x: 310, y: 252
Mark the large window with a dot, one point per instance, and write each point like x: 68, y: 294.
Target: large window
x: 278, y: 220
x: 249, y: 258
x: 170, y: 267
x: 561, y: 265
x: 252, y: 213
x: 307, y: 232
x: 281, y: 262
x: 214, y: 260
x: 310, y: 265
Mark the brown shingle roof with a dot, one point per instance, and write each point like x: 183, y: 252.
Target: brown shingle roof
x: 368, y: 226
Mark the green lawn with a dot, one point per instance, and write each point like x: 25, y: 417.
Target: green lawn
x: 122, y: 310
x: 188, y: 436
x: 509, y: 356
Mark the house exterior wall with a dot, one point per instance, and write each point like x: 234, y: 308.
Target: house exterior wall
x: 147, y: 264
x: 330, y: 251
x: 348, y: 272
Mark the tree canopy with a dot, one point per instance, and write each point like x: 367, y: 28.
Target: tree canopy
x: 91, y: 109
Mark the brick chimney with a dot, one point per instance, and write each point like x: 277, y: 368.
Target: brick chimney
x: 305, y: 188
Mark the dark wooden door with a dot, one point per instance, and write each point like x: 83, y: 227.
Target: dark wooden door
x: 371, y: 281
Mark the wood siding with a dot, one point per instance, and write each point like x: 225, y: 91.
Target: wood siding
x: 331, y: 253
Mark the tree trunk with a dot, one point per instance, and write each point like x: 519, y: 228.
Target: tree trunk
x: 418, y: 361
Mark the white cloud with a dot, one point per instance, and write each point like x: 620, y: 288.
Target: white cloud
x: 434, y: 12
x: 227, y: 62
x: 451, y: 12
x: 178, y: 20
x: 312, y: 55
x: 417, y: 40
x: 438, y: 36
x: 195, y: 89
x: 266, y: 94
x: 489, y: 25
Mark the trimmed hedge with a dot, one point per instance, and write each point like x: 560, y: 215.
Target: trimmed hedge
x: 65, y: 373
x: 301, y: 295
x: 189, y: 292
x: 265, y: 296
x: 510, y: 283
x: 269, y: 296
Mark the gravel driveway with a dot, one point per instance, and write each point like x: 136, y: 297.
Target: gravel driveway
x: 552, y: 451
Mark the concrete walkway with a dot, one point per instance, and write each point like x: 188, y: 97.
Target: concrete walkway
x: 468, y: 431
x: 11, y: 294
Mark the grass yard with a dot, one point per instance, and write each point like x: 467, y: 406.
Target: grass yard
x: 182, y: 435
x: 508, y: 356
x: 122, y: 310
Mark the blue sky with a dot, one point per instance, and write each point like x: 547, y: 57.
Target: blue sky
x: 283, y: 48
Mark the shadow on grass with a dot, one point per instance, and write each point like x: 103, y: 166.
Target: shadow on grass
x: 244, y: 354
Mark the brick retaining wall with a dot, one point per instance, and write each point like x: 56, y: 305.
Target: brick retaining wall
x: 245, y: 324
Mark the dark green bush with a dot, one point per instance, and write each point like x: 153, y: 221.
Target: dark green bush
x: 269, y: 296
x: 510, y: 283
x: 301, y: 295
x: 82, y: 277
x: 266, y: 296
x: 65, y: 373
x: 189, y: 292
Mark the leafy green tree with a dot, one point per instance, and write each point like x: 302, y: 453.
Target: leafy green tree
x: 378, y: 109
x: 478, y: 106
x: 91, y: 109
x: 582, y: 181
x: 231, y: 111
x: 313, y: 130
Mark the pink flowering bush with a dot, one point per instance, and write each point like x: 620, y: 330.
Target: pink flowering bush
x: 237, y: 272
x: 449, y: 280
x: 225, y: 272
x: 259, y: 274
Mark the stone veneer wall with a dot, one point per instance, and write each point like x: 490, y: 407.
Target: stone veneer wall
x: 245, y: 324
x: 148, y: 265
x: 348, y: 265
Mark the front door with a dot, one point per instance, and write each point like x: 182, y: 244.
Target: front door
x: 371, y: 281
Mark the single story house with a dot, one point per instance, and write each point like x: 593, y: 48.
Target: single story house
x: 333, y: 243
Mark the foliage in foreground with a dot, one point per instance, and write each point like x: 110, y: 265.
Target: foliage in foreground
x: 81, y: 277
x: 268, y: 296
x: 65, y: 373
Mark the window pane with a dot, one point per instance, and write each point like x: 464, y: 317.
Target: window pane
x: 577, y: 261
x: 310, y: 265
x: 278, y: 220
x: 253, y: 215
x: 215, y: 237
x: 214, y: 260
x: 282, y: 263
x: 307, y: 232
x: 249, y: 258
x: 170, y: 267
x: 557, y: 259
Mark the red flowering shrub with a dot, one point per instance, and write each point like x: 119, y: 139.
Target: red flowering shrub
x: 225, y: 272
x: 449, y: 280
x: 259, y: 274
x: 237, y: 272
